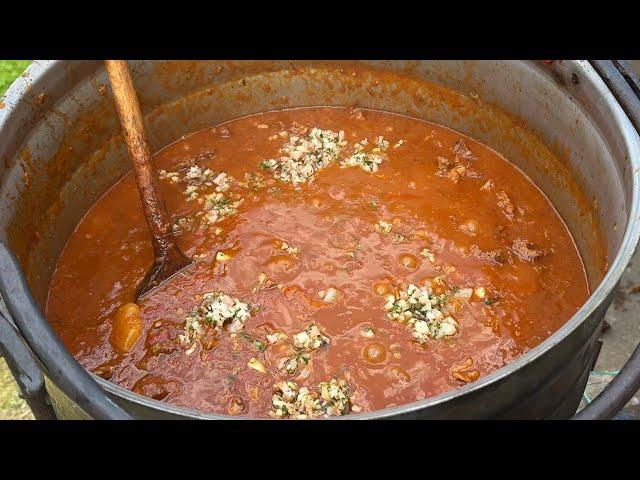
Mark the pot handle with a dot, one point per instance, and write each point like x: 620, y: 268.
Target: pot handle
x: 34, y: 331
x: 615, y: 396
x: 625, y: 86
x: 25, y: 370
x: 623, y: 82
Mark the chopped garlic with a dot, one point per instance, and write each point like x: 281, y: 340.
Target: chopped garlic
x: 291, y: 363
x: 269, y: 164
x: 192, y: 330
x: 173, y: 177
x: 191, y: 192
x: 217, y: 207
x: 222, y: 182
x: 331, y: 399
x: 422, y: 311
x: 367, y: 332
x: 428, y: 254
x: 275, y: 337
x: 215, y: 309
x: 330, y: 295
x: 463, y: 293
x: 263, y: 281
x: 303, y: 156
x: 335, y: 397
x: 285, y: 247
x: 198, y: 179
x: 222, y: 257
x: 488, y: 185
x: 184, y: 224
x: 310, y: 339
x: 257, y: 365
x: 195, y: 172
x: 384, y: 227
x: 367, y: 161
x: 382, y: 143
x: 304, y: 343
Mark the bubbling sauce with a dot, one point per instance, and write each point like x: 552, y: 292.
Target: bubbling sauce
x: 344, y: 261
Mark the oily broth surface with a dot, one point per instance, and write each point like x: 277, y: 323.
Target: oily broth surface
x: 331, y: 220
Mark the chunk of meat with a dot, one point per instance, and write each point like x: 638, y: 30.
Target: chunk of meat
x: 453, y: 170
x: 470, y: 227
x: 356, y: 113
x: 465, y: 372
x: 443, y: 166
x: 525, y: 250
x: 495, y: 257
x: 210, y: 339
x: 488, y: 185
x: 300, y: 301
x: 506, y: 205
x: 105, y: 370
x: 298, y: 129
x: 501, y: 233
x: 160, y: 340
x: 473, y: 173
x: 456, y: 172
x: 461, y: 150
x: 264, y: 282
x: 236, y: 406
x: 167, y: 348
x: 204, y: 155
x: 156, y: 387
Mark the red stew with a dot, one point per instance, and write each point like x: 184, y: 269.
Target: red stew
x: 345, y: 261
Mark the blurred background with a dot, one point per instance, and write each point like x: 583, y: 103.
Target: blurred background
x: 620, y: 335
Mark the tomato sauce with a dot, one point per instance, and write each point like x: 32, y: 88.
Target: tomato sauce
x: 439, y: 209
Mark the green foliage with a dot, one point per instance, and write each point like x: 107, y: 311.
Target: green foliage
x: 9, y: 71
x: 12, y: 407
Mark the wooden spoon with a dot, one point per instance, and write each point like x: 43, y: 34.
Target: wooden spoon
x: 169, y: 260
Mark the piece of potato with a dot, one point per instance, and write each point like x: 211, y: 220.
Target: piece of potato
x: 127, y: 327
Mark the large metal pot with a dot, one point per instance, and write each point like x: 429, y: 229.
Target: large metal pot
x: 561, y: 122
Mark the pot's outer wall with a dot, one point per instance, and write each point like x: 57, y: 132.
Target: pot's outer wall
x: 61, y: 150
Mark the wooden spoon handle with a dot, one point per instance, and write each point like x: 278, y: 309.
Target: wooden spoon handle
x: 168, y: 258
x: 135, y: 137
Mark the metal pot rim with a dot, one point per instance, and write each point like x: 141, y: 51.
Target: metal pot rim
x: 604, y: 288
